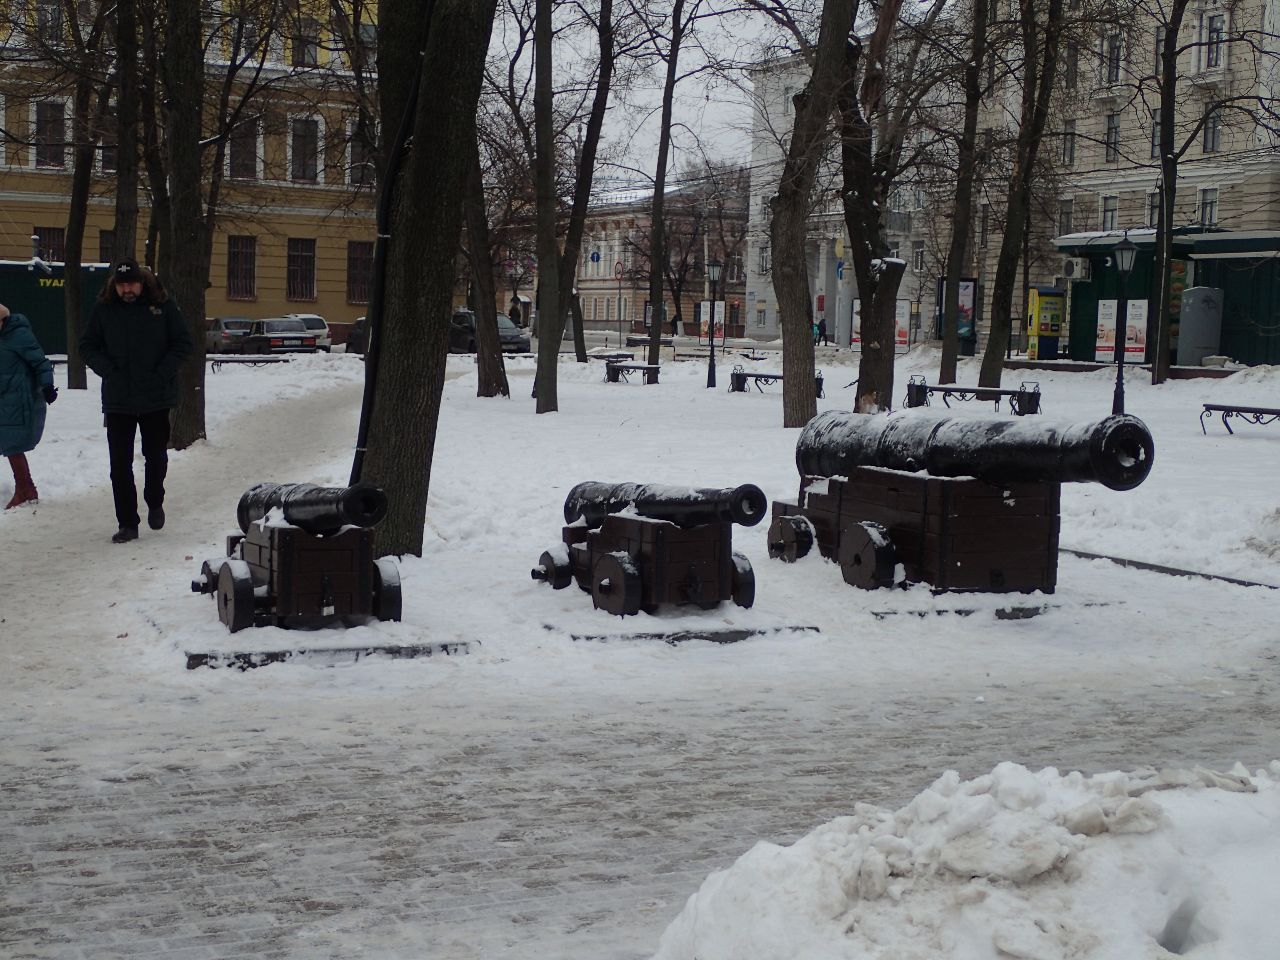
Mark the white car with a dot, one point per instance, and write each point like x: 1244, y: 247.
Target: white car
x: 318, y: 327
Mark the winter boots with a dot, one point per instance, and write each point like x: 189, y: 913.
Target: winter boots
x: 24, y: 489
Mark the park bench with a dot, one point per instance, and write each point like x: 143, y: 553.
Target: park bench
x: 739, y: 377
x: 1260, y: 415
x: 616, y: 355
x: 752, y: 355
x: 642, y: 340
x: 1022, y: 401
x: 615, y: 370
x: 254, y: 360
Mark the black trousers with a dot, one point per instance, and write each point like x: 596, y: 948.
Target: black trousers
x: 121, y: 428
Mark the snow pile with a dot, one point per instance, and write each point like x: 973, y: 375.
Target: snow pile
x: 1011, y: 864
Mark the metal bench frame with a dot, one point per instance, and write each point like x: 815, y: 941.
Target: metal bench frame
x: 615, y: 371
x: 1258, y: 415
x: 253, y: 360
x: 1020, y: 402
x: 738, y: 380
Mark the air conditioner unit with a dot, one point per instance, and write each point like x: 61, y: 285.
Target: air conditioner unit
x: 1075, y: 268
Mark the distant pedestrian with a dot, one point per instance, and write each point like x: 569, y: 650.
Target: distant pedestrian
x: 822, y: 332
x: 813, y: 329
x: 26, y: 387
x: 514, y: 313
x: 136, y: 341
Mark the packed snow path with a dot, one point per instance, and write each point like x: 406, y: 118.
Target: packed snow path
x: 539, y: 797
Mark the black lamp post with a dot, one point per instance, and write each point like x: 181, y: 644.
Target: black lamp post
x: 1125, y: 252
x: 713, y: 274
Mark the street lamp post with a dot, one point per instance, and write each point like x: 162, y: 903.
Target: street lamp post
x: 1125, y: 252
x: 617, y: 272
x: 713, y: 274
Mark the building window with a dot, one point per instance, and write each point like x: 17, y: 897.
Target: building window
x: 760, y: 316
x: 1161, y: 32
x: 1208, y: 207
x: 306, y: 43
x: 50, y: 242
x: 1155, y: 134
x: 1068, y: 142
x: 1212, y: 137
x: 1113, y: 51
x: 764, y: 264
x: 917, y: 256
x: 1110, y: 212
x: 368, y: 39
x: 1112, y: 137
x: 984, y: 224
x: 304, y: 159
x: 51, y: 134
x: 359, y: 271
x: 1071, y: 68
x: 360, y: 169
x: 242, y: 268
x: 106, y: 246
x: 1153, y: 209
x: 1066, y: 213
x: 49, y: 22
x: 243, y: 152
x: 1217, y: 29
x: 301, y: 282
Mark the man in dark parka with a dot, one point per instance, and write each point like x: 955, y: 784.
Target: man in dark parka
x: 136, y: 341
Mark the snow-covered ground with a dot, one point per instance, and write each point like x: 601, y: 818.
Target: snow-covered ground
x: 1126, y: 670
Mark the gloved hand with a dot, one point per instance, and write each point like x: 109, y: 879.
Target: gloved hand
x: 50, y: 392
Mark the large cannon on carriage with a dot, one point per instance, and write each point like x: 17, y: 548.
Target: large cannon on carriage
x: 639, y: 546
x: 958, y: 503
x: 303, y: 558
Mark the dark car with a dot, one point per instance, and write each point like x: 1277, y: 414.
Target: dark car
x: 462, y: 334
x: 278, y: 335
x: 224, y: 334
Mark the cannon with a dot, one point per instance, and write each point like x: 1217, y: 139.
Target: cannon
x: 639, y: 547
x: 303, y: 558
x: 960, y: 503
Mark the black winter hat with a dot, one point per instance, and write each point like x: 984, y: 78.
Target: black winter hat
x: 127, y: 271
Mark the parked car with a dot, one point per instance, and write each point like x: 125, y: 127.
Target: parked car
x: 319, y: 328
x: 462, y: 334
x: 225, y: 333
x: 358, y: 339
x: 278, y: 335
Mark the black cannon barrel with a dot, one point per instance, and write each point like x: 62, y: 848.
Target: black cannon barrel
x: 593, y: 500
x: 316, y: 509
x: 1117, y: 451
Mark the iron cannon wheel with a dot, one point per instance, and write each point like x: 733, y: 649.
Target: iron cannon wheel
x: 867, y: 557
x: 744, y: 581
x: 615, y: 584
x: 235, y: 595
x: 207, y: 582
x: 790, y: 538
x: 386, y: 589
x: 555, y: 569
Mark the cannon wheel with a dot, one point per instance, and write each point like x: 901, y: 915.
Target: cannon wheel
x: 386, y: 589
x: 207, y: 582
x: 554, y: 568
x: 744, y: 581
x: 867, y: 557
x: 790, y: 538
x: 615, y: 584
x: 235, y: 595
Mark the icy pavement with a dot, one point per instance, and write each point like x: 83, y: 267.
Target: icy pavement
x: 543, y: 798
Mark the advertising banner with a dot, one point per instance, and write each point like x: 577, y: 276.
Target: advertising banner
x: 968, y: 295
x: 1135, y: 341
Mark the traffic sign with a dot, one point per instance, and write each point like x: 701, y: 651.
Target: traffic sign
x: 839, y: 269
x: 595, y: 256
x: 618, y: 270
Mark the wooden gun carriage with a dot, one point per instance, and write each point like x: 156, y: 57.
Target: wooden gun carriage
x: 957, y: 503
x: 673, y: 545
x: 313, y: 567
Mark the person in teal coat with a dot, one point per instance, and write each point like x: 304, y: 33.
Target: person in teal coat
x: 26, y: 386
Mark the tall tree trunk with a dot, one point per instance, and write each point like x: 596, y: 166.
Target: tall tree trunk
x: 125, y: 240
x: 78, y: 208
x: 657, y: 217
x: 790, y: 211
x: 153, y: 147
x: 183, y: 259
x: 1162, y: 262
x: 426, y: 227
x: 491, y: 373
x: 550, y: 317
x: 962, y: 209
x: 1039, y: 68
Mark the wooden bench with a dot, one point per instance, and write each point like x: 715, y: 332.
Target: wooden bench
x: 1025, y: 400
x: 739, y: 377
x: 615, y: 370
x: 616, y: 355
x: 642, y: 340
x: 254, y: 360
x: 1260, y: 415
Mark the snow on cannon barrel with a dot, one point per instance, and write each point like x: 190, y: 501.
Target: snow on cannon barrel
x: 312, y: 568
x: 1116, y: 451
x: 961, y: 503
x: 316, y: 509
x: 639, y: 546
